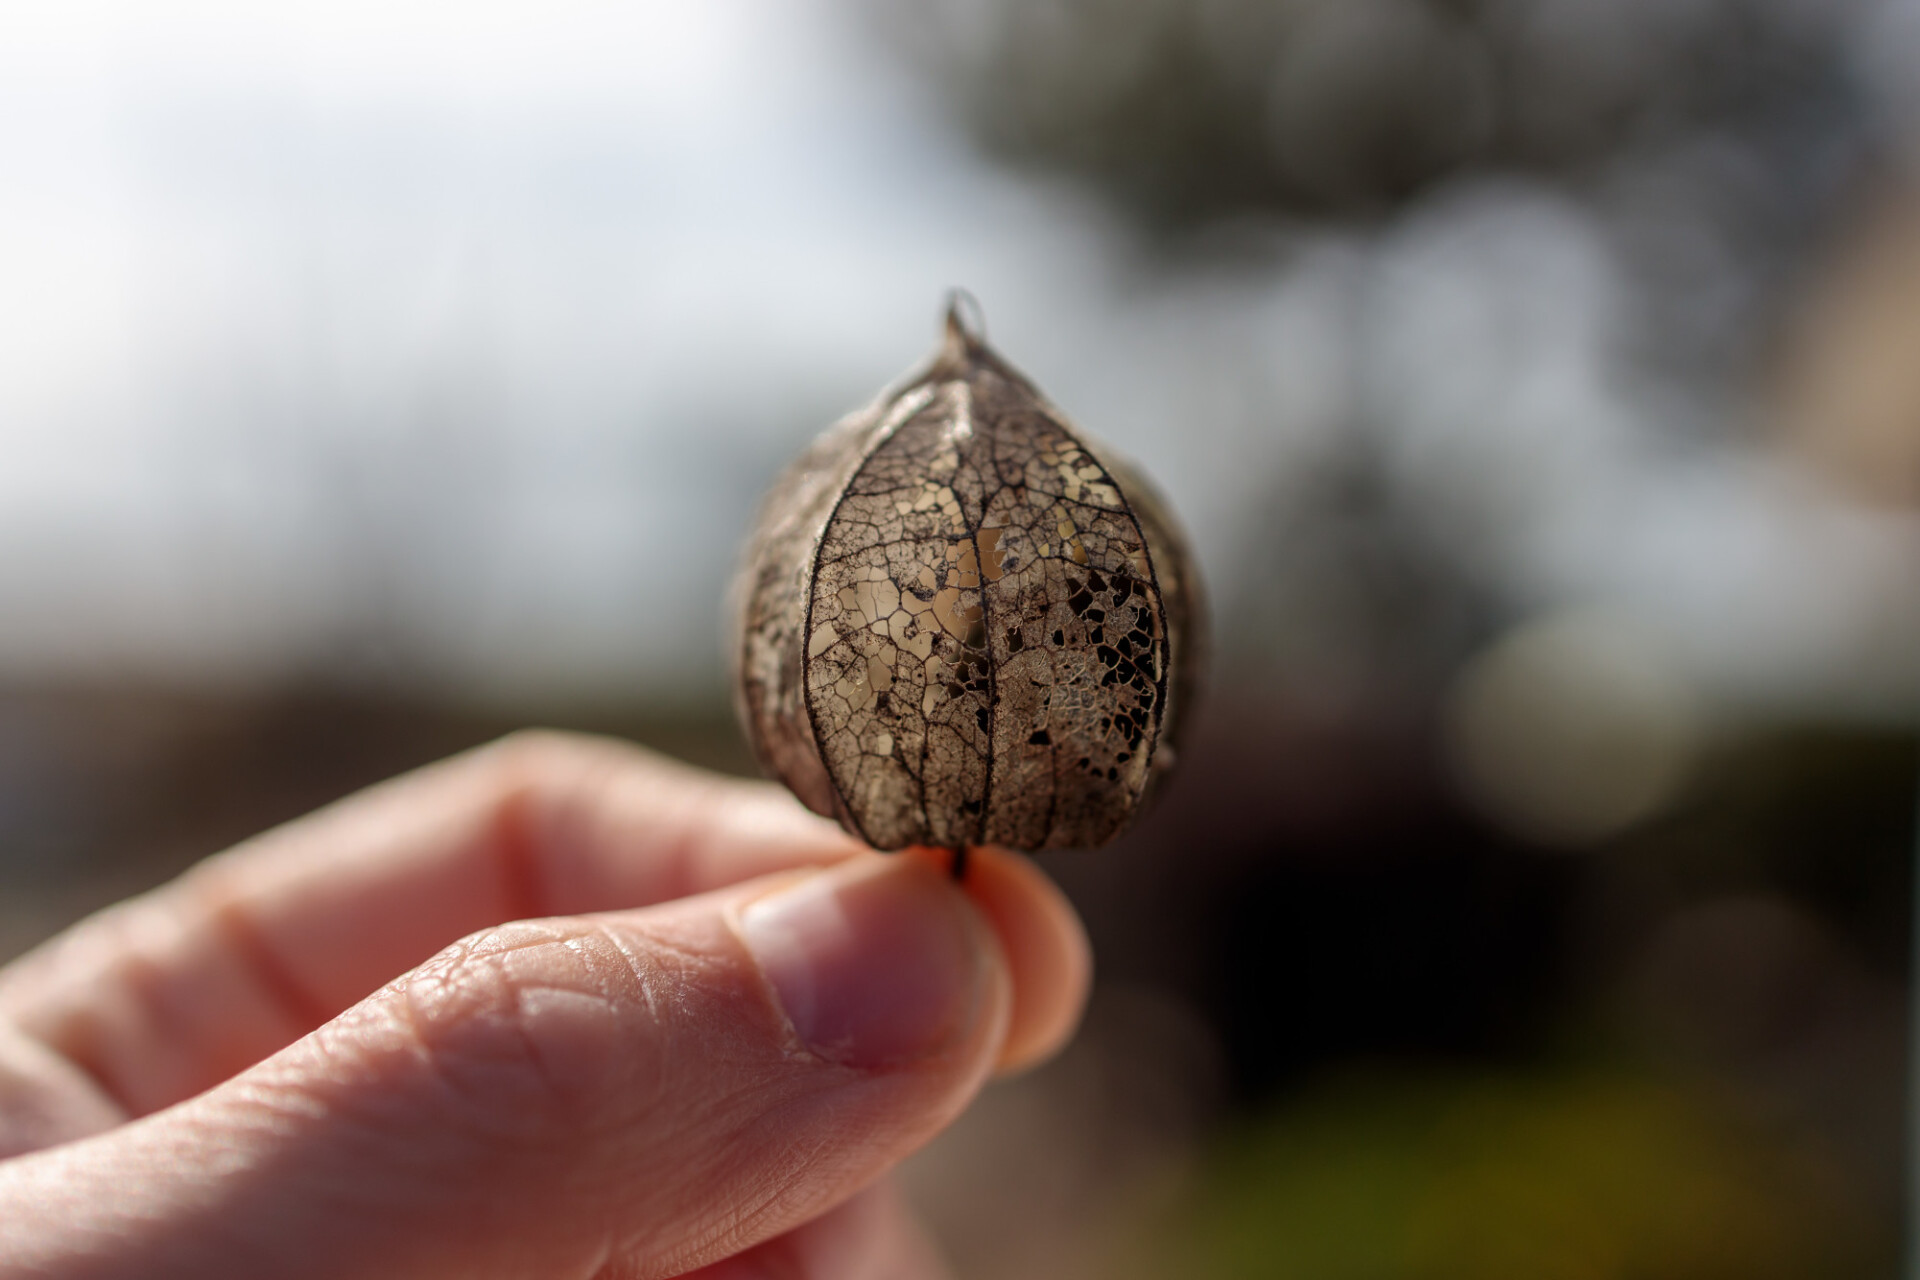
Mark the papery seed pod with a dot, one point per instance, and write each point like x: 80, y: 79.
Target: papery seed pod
x: 959, y: 626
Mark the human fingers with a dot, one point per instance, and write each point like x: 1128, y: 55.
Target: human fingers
x: 173, y: 992
x: 1046, y: 946
x: 635, y: 1094
x: 45, y: 1099
x: 167, y: 994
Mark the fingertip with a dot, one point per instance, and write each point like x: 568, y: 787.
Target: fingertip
x: 1047, y: 952
x: 878, y: 963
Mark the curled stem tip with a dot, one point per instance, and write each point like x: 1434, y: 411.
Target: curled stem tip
x: 966, y: 321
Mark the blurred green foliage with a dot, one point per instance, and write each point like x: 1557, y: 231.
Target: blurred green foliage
x: 1570, y: 1175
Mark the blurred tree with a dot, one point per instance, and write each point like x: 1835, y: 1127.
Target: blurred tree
x: 1184, y: 110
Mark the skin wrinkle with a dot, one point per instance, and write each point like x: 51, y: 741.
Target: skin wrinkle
x: 826, y: 1128
x: 300, y: 1009
x: 570, y: 1096
x: 554, y: 787
x: 568, y: 815
x: 361, y: 1164
x: 733, y: 1126
x: 599, y: 1267
x: 425, y: 1005
x: 50, y: 1099
x: 825, y: 1144
x: 680, y: 860
x: 645, y: 975
x: 348, y: 1168
x: 466, y: 1011
x: 643, y: 968
x: 93, y: 1080
x: 517, y: 857
x: 224, y: 1152
x: 775, y: 1197
x: 285, y: 1100
x: 821, y: 1129
x: 767, y: 1197
x: 79, y: 1038
x: 552, y: 796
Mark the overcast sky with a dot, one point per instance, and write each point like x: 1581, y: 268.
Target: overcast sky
x: 456, y: 345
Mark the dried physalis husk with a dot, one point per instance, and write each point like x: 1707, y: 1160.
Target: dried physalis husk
x: 959, y: 625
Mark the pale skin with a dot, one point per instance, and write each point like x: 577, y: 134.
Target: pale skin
x: 554, y: 1008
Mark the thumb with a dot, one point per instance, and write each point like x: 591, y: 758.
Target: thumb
x: 634, y: 1094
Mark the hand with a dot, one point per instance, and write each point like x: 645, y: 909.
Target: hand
x: 694, y: 1050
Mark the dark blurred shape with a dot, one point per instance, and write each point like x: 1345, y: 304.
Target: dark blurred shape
x: 1428, y: 1024
x: 1350, y: 610
x: 1416, y: 935
x: 1758, y: 994
x: 1185, y: 110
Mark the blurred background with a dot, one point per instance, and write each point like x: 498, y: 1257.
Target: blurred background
x: 1539, y: 381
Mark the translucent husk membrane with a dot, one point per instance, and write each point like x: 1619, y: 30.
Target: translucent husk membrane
x: 959, y: 625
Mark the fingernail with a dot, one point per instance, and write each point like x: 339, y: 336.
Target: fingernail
x: 875, y: 962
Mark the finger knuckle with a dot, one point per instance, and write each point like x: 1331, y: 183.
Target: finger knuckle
x: 539, y: 758
x: 534, y: 749
x: 515, y: 1029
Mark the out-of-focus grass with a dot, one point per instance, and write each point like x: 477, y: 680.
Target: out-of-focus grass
x: 1566, y: 1176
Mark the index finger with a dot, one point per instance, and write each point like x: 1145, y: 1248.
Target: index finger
x: 166, y: 995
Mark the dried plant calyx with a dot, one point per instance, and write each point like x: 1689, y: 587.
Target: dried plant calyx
x: 959, y: 626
